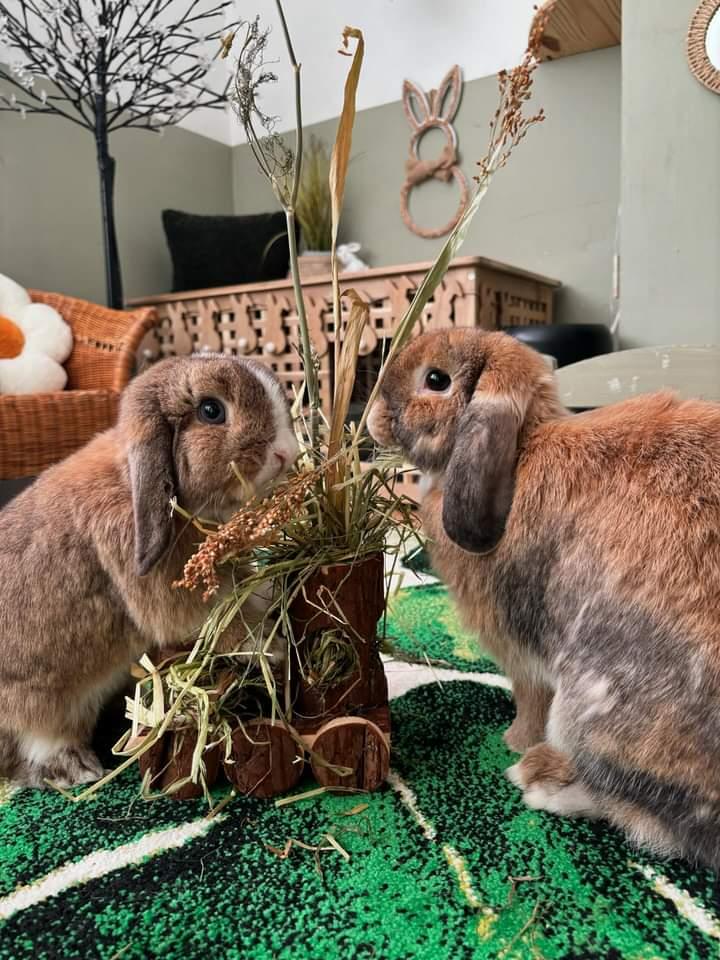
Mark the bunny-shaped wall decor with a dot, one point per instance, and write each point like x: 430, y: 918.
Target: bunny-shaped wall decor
x: 425, y: 111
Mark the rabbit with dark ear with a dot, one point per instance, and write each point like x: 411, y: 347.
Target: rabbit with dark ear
x: 585, y: 552
x: 89, y: 552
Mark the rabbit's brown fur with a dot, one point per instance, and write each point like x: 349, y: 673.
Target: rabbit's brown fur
x: 585, y: 552
x: 89, y: 552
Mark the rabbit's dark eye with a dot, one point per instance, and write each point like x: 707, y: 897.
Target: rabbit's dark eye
x: 211, y: 411
x: 437, y: 380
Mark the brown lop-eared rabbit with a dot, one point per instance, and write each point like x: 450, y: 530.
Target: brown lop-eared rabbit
x: 88, y: 553
x: 585, y: 552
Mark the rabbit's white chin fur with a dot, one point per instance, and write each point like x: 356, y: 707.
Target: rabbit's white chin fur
x: 281, y: 455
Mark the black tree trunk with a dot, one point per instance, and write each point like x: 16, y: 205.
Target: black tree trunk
x: 106, y: 169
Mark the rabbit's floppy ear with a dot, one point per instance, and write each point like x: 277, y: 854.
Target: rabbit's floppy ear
x: 447, y: 97
x: 415, y: 104
x: 152, y: 484
x: 480, y: 476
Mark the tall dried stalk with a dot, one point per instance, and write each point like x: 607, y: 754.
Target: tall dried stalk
x: 310, y: 366
x: 283, y: 168
x: 347, y: 338
x: 338, y: 170
x: 347, y: 352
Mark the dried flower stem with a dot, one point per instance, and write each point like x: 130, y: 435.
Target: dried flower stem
x: 308, y: 354
x: 254, y: 525
x: 298, y: 106
x: 311, y: 374
x: 283, y: 169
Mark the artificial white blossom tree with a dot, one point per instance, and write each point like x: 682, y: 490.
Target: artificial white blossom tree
x: 108, y: 65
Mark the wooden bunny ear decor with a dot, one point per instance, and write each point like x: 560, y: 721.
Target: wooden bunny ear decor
x: 425, y: 112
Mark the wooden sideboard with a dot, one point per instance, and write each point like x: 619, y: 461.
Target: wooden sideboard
x: 260, y: 319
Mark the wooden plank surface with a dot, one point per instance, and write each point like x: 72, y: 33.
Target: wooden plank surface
x: 578, y: 26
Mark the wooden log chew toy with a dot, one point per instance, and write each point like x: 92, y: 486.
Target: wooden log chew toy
x: 340, y: 716
x: 353, y: 742
x: 346, y: 599
x: 347, y: 724
x: 169, y: 761
x: 266, y: 760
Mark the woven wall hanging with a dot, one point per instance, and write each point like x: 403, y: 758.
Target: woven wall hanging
x: 435, y: 110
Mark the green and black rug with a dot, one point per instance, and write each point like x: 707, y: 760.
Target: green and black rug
x: 445, y: 862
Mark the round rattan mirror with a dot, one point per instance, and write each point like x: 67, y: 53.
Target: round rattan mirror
x: 703, y: 44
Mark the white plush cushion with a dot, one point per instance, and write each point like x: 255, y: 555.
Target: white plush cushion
x: 48, y: 343
x: 31, y: 373
x: 45, y: 332
x: 13, y: 298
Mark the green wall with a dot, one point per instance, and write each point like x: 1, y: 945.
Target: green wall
x: 50, y: 229
x: 670, y: 276
x: 552, y: 210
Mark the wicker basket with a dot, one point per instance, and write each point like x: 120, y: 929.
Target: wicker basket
x: 37, y: 430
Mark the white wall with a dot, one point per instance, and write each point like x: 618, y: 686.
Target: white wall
x: 413, y: 39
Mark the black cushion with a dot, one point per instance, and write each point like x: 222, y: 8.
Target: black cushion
x: 220, y: 251
x: 567, y: 342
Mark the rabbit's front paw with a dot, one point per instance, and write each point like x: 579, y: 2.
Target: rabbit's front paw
x: 548, y: 782
x: 70, y: 766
